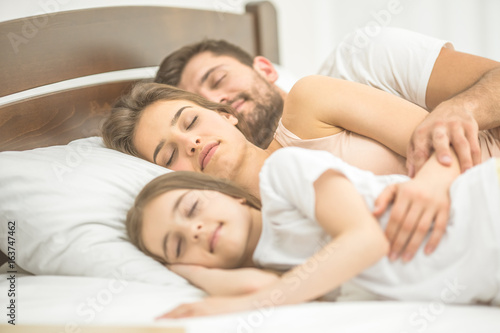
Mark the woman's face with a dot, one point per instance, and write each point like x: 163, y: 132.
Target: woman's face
x: 181, y: 135
x: 199, y: 227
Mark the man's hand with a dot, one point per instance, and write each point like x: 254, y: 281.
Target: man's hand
x: 448, y: 125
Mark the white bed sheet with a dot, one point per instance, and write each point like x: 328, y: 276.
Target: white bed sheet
x: 76, y: 301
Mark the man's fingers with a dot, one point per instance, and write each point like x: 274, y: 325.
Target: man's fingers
x: 384, y: 200
x: 462, y: 147
x: 418, y: 153
x: 441, y: 144
x: 471, y: 134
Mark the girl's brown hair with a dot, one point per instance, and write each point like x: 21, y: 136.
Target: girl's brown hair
x: 173, y: 181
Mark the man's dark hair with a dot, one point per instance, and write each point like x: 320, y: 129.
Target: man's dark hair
x: 172, y: 66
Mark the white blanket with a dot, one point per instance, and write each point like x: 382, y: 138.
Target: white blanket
x: 77, y: 301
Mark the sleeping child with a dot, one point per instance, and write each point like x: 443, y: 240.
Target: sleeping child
x: 315, y: 225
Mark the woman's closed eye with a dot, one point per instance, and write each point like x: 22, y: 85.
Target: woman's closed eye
x: 171, y: 159
x: 192, y: 123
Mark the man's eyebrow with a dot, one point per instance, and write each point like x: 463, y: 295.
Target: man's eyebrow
x: 165, y: 239
x: 172, y: 123
x: 207, y: 74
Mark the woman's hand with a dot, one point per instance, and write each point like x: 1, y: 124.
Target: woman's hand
x: 416, y: 206
x: 210, y: 306
x: 419, y: 204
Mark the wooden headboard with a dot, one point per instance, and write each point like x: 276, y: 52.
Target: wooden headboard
x: 54, y: 48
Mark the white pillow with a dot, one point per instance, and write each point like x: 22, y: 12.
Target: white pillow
x: 69, y: 205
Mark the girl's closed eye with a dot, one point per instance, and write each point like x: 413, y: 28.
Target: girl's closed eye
x: 178, y: 250
x: 192, y: 211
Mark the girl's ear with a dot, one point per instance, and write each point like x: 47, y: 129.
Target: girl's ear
x: 229, y: 117
x: 265, y: 68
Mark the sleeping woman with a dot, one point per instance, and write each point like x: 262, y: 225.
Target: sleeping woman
x: 315, y: 225
x: 178, y: 130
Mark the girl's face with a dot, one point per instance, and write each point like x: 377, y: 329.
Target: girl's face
x: 181, y: 135
x: 200, y: 227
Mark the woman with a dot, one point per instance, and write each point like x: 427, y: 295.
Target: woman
x: 170, y: 127
x: 316, y: 224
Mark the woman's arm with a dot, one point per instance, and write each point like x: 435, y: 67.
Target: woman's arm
x: 318, y: 106
x: 358, y: 242
x: 225, y: 282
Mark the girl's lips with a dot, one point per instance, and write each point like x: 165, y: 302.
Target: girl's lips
x: 207, y: 153
x: 215, y: 237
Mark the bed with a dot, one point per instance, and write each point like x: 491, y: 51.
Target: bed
x: 63, y: 195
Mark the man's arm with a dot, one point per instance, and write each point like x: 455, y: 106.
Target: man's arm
x: 464, y: 95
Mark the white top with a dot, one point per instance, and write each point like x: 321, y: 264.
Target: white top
x: 397, y: 61
x: 463, y: 269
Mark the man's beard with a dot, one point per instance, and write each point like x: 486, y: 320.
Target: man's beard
x: 263, y: 120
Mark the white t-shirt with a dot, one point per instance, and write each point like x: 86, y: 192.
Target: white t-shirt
x: 465, y: 268
x: 397, y: 61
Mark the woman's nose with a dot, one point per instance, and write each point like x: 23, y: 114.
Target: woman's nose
x: 188, y: 142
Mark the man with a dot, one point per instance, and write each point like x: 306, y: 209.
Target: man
x: 461, y: 90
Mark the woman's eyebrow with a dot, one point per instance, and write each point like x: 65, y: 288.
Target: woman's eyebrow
x: 178, y: 115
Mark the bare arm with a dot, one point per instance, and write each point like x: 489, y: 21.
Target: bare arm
x: 318, y: 106
x: 358, y: 242
x: 225, y: 282
x: 464, y: 95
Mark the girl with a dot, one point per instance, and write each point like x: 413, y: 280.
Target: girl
x: 315, y: 223
x: 172, y: 128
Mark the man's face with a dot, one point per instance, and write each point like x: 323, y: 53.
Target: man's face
x: 250, y: 92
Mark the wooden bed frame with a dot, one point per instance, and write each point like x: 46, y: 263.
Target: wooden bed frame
x: 47, y: 49
x: 52, y: 48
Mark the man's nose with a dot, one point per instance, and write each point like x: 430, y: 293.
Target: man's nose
x: 218, y: 97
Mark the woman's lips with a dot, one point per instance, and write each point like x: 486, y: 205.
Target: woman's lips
x: 215, y: 238
x: 207, y: 153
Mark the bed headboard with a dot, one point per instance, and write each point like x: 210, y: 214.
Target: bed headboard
x: 87, y: 58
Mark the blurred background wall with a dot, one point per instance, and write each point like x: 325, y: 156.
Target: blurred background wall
x: 309, y: 29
